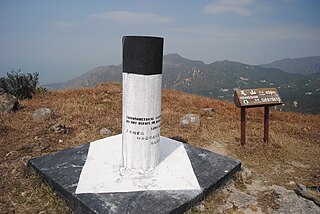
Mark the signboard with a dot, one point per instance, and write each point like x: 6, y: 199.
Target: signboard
x: 257, y: 97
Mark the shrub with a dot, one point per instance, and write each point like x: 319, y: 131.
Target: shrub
x: 20, y: 85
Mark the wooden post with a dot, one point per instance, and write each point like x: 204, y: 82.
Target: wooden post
x: 243, y: 126
x: 266, y: 124
x: 141, y: 101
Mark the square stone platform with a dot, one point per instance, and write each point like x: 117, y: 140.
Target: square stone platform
x: 61, y: 170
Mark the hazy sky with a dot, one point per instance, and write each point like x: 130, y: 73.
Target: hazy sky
x: 61, y: 39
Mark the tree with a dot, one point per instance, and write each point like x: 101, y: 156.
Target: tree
x: 19, y: 84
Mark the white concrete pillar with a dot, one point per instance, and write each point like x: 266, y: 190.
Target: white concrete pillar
x: 141, y: 113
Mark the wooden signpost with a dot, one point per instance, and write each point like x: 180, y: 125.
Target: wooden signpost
x: 260, y: 97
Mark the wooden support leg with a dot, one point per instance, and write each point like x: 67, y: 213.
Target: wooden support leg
x: 266, y: 124
x: 243, y: 126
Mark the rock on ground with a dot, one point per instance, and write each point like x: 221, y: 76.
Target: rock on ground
x: 208, y: 112
x: 241, y: 199
x: 190, y: 119
x: 8, y: 102
x: 257, y: 198
x: 59, y: 128
x: 246, y: 176
x: 42, y: 114
x: 104, y: 132
x: 290, y: 203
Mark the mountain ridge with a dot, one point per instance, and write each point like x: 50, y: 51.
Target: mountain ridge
x: 219, y: 79
x: 304, y: 65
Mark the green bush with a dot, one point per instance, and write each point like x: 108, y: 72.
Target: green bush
x: 20, y: 85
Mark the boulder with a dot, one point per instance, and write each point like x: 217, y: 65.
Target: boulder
x: 289, y: 202
x: 42, y: 114
x: 308, y: 193
x: 8, y: 102
x: 190, y: 119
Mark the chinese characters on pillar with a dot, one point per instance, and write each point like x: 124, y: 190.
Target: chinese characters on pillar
x: 138, y: 125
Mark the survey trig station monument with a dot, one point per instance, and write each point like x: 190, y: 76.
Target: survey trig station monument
x: 137, y: 171
x: 141, y: 108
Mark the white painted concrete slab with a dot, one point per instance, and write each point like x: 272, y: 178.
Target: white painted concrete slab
x: 101, y: 172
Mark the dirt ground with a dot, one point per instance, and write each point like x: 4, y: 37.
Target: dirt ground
x: 292, y: 154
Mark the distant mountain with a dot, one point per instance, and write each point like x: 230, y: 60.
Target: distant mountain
x: 91, y: 78
x: 219, y: 80
x: 305, y: 65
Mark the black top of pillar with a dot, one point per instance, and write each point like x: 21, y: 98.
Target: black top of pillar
x: 142, y: 55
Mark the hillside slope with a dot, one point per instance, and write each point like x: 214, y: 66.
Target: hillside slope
x: 293, y: 153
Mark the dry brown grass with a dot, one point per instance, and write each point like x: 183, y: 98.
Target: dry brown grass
x: 293, y: 152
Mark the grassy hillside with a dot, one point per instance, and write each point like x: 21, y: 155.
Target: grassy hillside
x: 293, y: 153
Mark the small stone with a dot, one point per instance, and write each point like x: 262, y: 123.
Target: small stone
x: 246, y: 176
x: 10, y: 153
x: 241, y: 199
x: 228, y: 206
x: 8, y: 102
x: 59, y: 128
x: 254, y: 207
x: 106, y: 100
x: 25, y: 159
x: 190, y: 119
x: 60, y: 141
x: 40, y: 146
x: 291, y: 184
x: 42, y: 114
x: 200, y: 207
x: 208, y: 112
x: 104, y: 132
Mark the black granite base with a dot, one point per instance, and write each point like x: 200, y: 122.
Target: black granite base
x: 61, y: 170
